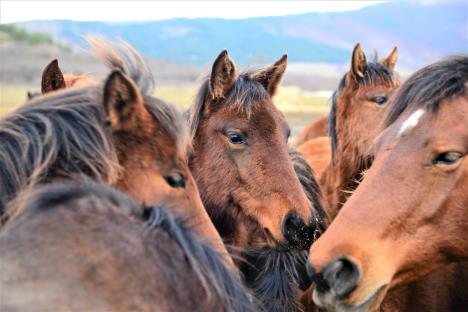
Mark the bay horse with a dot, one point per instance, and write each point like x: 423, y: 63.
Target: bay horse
x: 356, y: 116
x: 113, y: 132
x: 408, y: 216
x: 83, y: 246
x: 242, y: 166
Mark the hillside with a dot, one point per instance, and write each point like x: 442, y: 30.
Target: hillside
x: 424, y: 32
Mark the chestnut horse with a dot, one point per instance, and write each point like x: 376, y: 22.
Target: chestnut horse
x: 114, y: 133
x: 86, y: 247
x: 408, y: 216
x: 355, y: 119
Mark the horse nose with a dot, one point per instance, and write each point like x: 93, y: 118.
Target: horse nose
x: 339, y: 278
x: 297, y: 233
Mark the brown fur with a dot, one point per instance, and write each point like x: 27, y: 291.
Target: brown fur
x: 53, y: 79
x: 319, y: 128
x: 317, y: 153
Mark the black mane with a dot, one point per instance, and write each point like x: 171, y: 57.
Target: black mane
x: 430, y: 85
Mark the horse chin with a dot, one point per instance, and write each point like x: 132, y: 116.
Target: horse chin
x: 331, y: 303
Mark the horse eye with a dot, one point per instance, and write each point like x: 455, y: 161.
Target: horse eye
x: 379, y: 100
x: 235, y: 137
x: 175, y: 180
x: 447, y: 158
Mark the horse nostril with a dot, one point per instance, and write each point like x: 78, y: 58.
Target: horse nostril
x: 341, y: 276
x: 297, y: 233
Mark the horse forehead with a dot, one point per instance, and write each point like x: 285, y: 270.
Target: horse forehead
x: 269, y: 115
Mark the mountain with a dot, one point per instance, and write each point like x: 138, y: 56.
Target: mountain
x: 423, y: 31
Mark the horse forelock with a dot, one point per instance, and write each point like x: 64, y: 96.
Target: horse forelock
x: 245, y: 95
x: 429, y: 86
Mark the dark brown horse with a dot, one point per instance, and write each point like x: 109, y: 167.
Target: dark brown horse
x: 241, y: 161
x: 247, y: 180
x: 115, y: 133
x: 86, y: 247
x: 355, y: 120
x: 408, y: 216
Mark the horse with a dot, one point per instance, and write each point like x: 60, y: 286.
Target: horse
x: 317, y: 152
x: 84, y: 246
x: 358, y: 109
x: 53, y: 79
x: 318, y: 128
x: 415, y: 187
x: 242, y: 166
x: 113, y: 132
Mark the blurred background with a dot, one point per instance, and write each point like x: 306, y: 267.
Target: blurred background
x: 180, y: 39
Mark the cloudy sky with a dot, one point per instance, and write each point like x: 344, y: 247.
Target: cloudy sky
x: 117, y: 11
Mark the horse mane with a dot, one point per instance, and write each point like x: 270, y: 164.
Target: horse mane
x: 375, y: 73
x: 430, y: 85
x: 219, y: 284
x: 64, y: 133
x: 243, y: 96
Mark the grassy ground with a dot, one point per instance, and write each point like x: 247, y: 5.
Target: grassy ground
x: 299, y: 107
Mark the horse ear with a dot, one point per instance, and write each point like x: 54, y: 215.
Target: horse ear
x: 391, y: 59
x: 52, y: 78
x: 223, y: 75
x: 123, y: 103
x: 271, y: 76
x: 358, y: 62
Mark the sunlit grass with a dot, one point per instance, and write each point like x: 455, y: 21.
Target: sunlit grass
x: 299, y: 107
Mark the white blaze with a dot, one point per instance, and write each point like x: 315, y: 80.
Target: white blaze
x: 411, y: 122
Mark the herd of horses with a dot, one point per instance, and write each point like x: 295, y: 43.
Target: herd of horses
x: 112, y: 199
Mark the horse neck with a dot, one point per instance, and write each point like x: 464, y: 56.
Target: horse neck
x: 342, y: 177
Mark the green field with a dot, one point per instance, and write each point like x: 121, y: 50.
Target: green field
x: 299, y: 107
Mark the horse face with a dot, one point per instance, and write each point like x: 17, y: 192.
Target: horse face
x: 241, y: 161
x: 407, y: 218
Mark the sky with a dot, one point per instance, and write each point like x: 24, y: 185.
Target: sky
x: 120, y: 11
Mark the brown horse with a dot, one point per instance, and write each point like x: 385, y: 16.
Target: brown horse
x: 408, y: 217
x: 86, y: 247
x: 53, y: 79
x: 358, y: 109
x: 114, y: 133
x: 319, y: 128
x: 241, y: 161
x: 317, y: 152
x: 247, y: 180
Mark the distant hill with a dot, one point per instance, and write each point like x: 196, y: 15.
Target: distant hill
x: 18, y: 34
x: 423, y: 31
